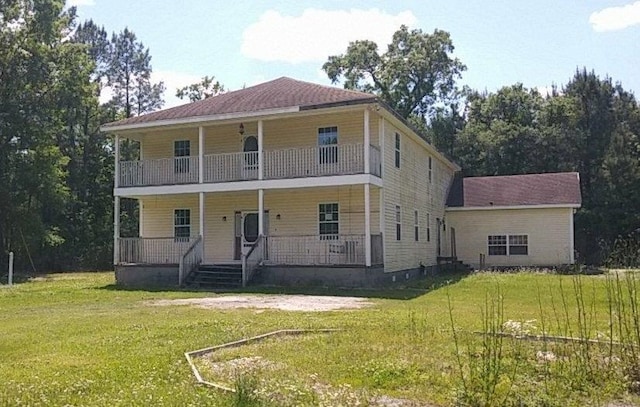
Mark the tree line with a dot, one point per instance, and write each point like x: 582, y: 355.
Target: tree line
x: 56, y: 166
x: 590, y: 125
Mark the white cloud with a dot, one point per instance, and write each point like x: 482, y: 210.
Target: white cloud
x: 316, y: 34
x: 78, y: 3
x: 616, y: 18
x: 545, y: 91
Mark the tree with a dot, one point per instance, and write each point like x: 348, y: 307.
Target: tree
x: 502, y: 135
x: 44, y: 82
x: 204, y: 89
x: 129, y: 76
x: 414, y: 75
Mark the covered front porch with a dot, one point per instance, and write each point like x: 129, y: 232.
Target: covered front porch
x: 321, y: 227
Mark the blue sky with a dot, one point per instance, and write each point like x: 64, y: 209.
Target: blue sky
x: 502, y: 42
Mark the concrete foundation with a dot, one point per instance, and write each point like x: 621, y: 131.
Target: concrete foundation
x: 343, y: 276
x: 147, y: 276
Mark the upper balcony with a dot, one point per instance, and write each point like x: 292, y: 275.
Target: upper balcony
x: 316, y: 161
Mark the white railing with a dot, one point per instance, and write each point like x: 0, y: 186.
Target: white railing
x: 190, y: 260
x: 231, y: 167
x: 314, y: 161
x: 316, y: 250
x: 252, y: 260
x: 163, y: 171
x: 153, y: 250
x: 375, y: 160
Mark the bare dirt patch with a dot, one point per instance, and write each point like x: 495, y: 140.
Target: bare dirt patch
x: 308, y: 303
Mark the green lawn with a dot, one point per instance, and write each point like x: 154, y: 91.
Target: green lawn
x: 74, y: 339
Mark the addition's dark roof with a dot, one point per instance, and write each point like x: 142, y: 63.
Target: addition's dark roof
x: 276, y: 94
x: 561, y: 188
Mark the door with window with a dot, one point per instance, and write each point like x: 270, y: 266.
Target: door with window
x: 182, y: 160
x: 246, y: 231
x: 328, y: 149
x: 249, y: 163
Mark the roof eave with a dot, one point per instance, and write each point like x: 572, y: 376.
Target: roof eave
x: 510, y: 207
x: 197, y: 119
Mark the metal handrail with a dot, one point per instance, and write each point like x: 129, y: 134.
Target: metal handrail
x: 191, y: 259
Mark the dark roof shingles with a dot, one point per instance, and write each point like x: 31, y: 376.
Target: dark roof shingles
x: 561, y: 188
x: 276, y: 94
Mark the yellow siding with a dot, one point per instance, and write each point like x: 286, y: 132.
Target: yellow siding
x: 160, y: 144
x: 409, y: 188
x: 278, y: 134
x: 157, y: 214
x: 298, y: 210
x: 548, y: 231
x: 303, y: 131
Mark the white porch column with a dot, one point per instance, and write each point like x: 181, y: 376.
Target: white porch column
x: 201, y: 155
x: 260, y: 212
x: 116, y: 149
x: 381, y: 130
x: 201, y: 220
x: 116, y: 230
x: 367, y: 143
x: 260, y: 155
x: 116, y: 202
x: 367, y: 225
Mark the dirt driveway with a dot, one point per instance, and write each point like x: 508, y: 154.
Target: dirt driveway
x: 308, y: 303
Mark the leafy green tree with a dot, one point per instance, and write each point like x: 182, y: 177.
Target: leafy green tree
x: 204, y: 89
x: 502, y: 134
x: 415, y: 75
x: 43, y: 83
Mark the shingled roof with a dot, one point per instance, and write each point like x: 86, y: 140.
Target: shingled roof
x: 276, y: 94
x: 562, y: 188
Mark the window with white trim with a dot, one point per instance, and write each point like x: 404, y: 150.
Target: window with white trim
x: 397, y: 150
x: 518, y: 245
x: 398, y: 223
x: 428, y: 227
x: 416, y: 226
x: 181, y: 150
x: 508, y: 245
x: 328, y: 145
x: 430, y: 170
x: 182, y: 223
x: 328, y: 221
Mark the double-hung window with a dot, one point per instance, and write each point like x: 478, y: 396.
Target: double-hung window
x: 430, y: 170
x: 181, y: 153
x: 328, y: 145
x: 328, y: 221
x: 508, y: 245
x: 416, y: 226
x: 428, y: 227
x: 182, y: 224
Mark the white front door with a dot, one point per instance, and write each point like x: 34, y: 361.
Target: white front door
x: 249, y: 230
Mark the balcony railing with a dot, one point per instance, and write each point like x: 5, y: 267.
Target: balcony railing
x: 278, y: 164
x: 231, y: 167
x: 314, y: 161
x: 163, y: 171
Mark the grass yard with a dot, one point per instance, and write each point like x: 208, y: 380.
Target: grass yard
x: 74, y: 339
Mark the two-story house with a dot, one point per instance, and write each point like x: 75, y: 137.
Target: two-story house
x: 306, y: 184
x: 315, y: 184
